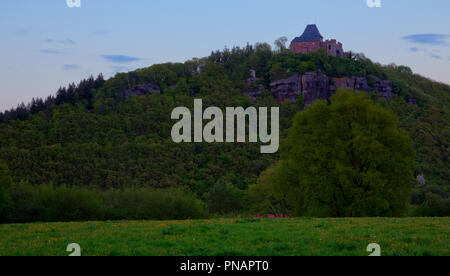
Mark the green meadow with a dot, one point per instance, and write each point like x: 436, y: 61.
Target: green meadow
x: 232, y: 237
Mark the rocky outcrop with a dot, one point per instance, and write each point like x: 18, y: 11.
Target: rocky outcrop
x: 384, y: 88
x: 311, y: 85
x: 143, y: 89
x: 288, y: 88
x: 361, y: 84
x: 315, y: 86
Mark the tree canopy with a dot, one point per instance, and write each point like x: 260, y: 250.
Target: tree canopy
x: 347, y: 158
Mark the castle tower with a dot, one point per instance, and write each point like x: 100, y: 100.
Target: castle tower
x: 311, y: 41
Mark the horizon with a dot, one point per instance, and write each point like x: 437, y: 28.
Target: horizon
x: 51, y: 45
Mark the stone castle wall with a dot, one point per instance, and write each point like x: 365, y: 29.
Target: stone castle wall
x: 332, y: 47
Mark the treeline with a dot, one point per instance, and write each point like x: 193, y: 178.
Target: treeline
x: 47, y: 203
x: 23, y: 202
x: 73, y: 94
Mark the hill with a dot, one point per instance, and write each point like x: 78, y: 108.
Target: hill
x: 115, y: 133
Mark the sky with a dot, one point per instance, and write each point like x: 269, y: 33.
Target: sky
x: 46, y: 44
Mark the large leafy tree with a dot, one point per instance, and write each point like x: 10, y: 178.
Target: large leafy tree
x: 347, y: 158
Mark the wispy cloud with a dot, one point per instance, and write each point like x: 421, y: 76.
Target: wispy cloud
x: 120, y: 58
x: 64, y: 41
x: 51, y: 51
x: 431, y: 53
x: 69, y: 67
x: 436, y: 57
x: 429, y: 39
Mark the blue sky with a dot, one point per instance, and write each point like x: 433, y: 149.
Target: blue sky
x: 45, y: 44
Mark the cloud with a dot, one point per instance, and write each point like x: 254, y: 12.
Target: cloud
x: 69, y: 67
x: 436, y: 56
x: 64, y: 41
x: 51, y: 52
x: 430, y: 53
x: 429, y: 39
x: 120, y: 58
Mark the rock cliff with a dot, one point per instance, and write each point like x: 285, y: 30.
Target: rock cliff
x: 315, y: 86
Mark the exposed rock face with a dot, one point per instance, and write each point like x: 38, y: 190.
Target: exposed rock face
x: 311, y: 85
x: 346, y: 83
x: 384, y: 88
x: 315, y: 86
x: 143, y: 89
x: 288, y: 88
x: 361, y: 84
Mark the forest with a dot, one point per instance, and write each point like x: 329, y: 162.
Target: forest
x: 92, y: 151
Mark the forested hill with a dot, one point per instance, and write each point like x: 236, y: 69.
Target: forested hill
x: 116, y: 133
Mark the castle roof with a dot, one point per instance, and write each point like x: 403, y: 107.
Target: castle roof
x: 310, y: 34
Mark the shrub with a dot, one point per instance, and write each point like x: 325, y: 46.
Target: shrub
x: 149, y: 203
x: 224, y: 197
x: 48, y: 203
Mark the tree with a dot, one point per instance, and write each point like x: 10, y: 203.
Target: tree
x: 280, y: 43
x: 348, y: 158
x: 182, y: 88
x: 224, y: 197
x: 5, y: 185
x: 277, y: 72
x: 263, y: 197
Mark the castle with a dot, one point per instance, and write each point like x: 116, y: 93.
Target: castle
x: 311, y: 41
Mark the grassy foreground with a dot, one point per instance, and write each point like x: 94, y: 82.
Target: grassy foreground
x: 232, y: 237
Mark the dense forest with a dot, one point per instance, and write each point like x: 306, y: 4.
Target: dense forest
x: 94, y: 137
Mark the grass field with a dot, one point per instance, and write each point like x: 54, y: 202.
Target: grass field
x: 232, y: 237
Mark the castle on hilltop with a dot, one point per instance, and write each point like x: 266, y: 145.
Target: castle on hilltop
x: 311, y: 41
